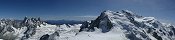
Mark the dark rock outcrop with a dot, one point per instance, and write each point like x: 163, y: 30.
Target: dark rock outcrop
x: 44, y: 37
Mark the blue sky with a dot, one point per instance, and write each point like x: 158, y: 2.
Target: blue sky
x: 51, y: 9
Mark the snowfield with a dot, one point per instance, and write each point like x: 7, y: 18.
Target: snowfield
x: 40, y: 31
x: 110, y: 25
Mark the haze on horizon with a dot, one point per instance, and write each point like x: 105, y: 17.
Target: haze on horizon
x: 57, y: 9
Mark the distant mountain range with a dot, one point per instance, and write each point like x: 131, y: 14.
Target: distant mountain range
x: 110, y: 25
x: 59, y: 22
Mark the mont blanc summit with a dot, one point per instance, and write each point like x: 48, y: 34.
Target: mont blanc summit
x: 109, y: 25
x: 130, y: 25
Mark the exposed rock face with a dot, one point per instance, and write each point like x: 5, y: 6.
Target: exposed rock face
x: 44, y: 37
x: 84, y: 26
x: 137, y: 27
x: 13, y: 28
x: 54, y: 36
x: 109, y: 25
x: 31, y: 24
x: 6, y: 29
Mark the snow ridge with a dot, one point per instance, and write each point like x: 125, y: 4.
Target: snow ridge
x: 110, y: 25
x: 134, y: 27
x: 12, y: 29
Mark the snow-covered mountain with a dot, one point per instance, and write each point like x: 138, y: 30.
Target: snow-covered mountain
x: 11, y: 29
x: 33, y: 29
x: 110, y: 25
x: 134, y: 27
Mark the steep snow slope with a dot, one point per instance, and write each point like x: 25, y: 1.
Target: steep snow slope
x: 44, y: 29
x: 61, y: 32
x: 121, y: 25
x: 110, y: 25
x: 134, y: 27
x: 34, y: 29
x: 11, y: 29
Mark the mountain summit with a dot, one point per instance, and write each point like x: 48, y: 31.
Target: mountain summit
x: 134, y: 27
x: 110, y: 25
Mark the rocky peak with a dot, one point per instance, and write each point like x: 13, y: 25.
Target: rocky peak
x: 31, y: 21
x: 104, y: 21
x: 132, y: 23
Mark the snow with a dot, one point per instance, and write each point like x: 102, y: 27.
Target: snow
x: 40, y: 31
x: 20, y: 32
x: 144, y: 19
x: 122, y: 25
x: 97, y: 35
x: 64, y: 31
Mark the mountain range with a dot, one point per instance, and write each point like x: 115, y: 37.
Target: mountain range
x: 110, y: 25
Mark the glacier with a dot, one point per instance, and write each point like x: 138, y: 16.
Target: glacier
x: 109, y: 25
